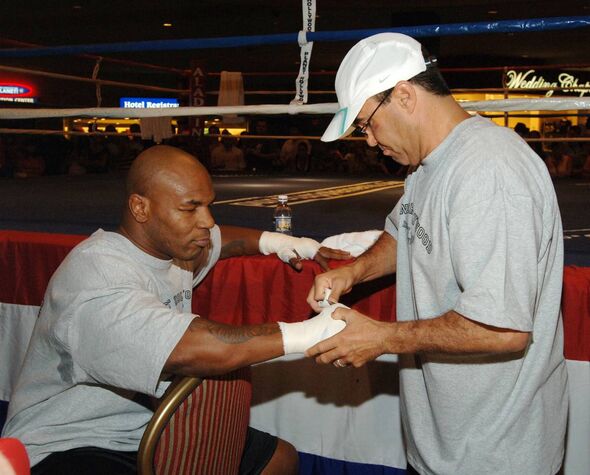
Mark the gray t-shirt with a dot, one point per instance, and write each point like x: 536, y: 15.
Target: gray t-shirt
x: 111, y: 316
x: 478, y: 231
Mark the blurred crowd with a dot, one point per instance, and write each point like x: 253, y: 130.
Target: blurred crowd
x: 257, y: 151
x: 568, y: 153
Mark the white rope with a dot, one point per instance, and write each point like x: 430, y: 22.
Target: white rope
x: 308, y: 11
x: 504, y: 105
x: 511, y: 105
x: 116, y: 112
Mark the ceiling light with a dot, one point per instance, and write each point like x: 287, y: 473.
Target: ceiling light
x: 492, y: 12
x: 167, y: 25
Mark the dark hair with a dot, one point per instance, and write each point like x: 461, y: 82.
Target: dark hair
x: 430, y: 80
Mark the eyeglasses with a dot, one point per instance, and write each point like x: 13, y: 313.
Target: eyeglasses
x: 362, y: 129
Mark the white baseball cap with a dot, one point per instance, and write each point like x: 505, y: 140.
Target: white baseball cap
x: 375, y: 64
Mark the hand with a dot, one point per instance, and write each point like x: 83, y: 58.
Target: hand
x: 299, y: 336
x: 293, y: 250
x: 362, y: 340
x: 339, y: 281
x: 324, y: 253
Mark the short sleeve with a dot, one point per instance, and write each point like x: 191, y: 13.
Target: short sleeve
x: 122, y: 336
x: 494, y: 249
x: 214, y: 254
x: 392, y: 220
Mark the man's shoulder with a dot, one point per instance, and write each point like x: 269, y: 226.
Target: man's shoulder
x: 101, y: 254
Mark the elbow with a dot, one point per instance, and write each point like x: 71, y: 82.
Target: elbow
x: 513, y: 342
x: 201, y: 363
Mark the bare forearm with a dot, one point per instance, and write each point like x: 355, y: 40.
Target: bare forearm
x: 377, y: 261
x: 452, y: 333
x: 238, y: 241
x: 209, y: 348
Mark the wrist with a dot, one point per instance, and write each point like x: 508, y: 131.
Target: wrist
x: 299, y: 336
x: 284, y: 245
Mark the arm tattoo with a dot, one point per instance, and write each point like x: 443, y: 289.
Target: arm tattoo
x: 237, y: 247
x: 234, y: 335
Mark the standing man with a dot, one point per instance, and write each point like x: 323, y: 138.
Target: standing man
x: 116, y: 319
x: 476, y: 245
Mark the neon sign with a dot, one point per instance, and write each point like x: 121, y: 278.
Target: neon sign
x: 529, y: 80
x: 147, y: 103
x: 16, y: 92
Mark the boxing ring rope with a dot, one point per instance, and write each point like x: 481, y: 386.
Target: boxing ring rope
x: 303, y: 38
x: 106, y: 59
x: 451, y: 29
x: 94, y: 80
x: 502, y: 105
x: 503, y: 26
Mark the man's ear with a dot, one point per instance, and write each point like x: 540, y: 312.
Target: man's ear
x: 405, y: 94
x: 140, y: 207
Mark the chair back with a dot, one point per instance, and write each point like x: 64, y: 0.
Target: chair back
x: 199, y: 427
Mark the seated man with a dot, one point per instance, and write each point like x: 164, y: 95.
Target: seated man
x: 116, y: 318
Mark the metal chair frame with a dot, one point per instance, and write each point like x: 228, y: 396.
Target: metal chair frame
x: 179, y: 390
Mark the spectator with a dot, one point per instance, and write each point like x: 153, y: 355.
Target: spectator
x: 292, y: 157
x: 262, y: 154
x: 521, y: 130
x: 29, y: 162
x: 227, y: 156
x: 536, y: 146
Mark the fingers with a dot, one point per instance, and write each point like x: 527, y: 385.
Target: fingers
x: 319, y: 349
x: 315, y: 297
x: 330, y: 357
x: 340, y: 363
x: 341, y: 313
x: 295, y: 263
x: 322, y: 261
x: 330, y: 253
x: 313, y: 303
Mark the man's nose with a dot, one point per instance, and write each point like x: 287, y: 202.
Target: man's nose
x: 371, y: 142
x: 205, y: 219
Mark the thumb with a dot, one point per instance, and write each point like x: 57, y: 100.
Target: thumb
x: 339, y: 312
x: 286, y: 254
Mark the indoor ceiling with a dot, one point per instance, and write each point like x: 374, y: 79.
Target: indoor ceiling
x: 78, y: 22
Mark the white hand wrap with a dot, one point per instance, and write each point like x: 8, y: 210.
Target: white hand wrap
x: 298, y: 337
x: 283, y: 245
x: 356, y: 243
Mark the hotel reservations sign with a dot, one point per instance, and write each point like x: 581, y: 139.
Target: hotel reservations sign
x: 568, y: 83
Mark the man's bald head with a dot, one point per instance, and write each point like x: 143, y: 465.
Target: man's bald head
x: 168, y: 197
x: 158, y: 163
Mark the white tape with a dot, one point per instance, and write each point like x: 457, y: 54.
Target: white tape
x: 298, y: 337
x: 308, y: 9
x: 325, y: 303
x: 302, y: 38
x: 287, y: 247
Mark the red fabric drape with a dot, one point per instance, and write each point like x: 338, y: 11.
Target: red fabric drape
x: 575, y: 305
x: 257, y: 289
x: 27, y: 262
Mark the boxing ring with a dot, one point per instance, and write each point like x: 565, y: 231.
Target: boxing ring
x: 341, y: 421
